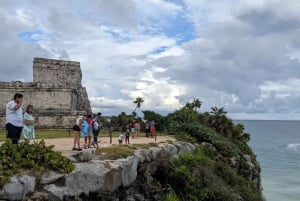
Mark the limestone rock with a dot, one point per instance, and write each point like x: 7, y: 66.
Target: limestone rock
x: 18, y: 188
x: 84, y: 155
x: 104, y: 177
x: 50, y: 177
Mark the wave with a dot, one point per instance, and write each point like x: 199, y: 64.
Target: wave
x: 294, y: 147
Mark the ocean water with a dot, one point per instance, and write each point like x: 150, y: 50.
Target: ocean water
x: 277, y: 146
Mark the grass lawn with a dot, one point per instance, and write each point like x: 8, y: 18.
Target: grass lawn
x: 58, y: 133
x: 43, y: 133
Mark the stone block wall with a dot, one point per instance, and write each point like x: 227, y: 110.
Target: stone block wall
x: 56, y: 93
x: 58, y: 72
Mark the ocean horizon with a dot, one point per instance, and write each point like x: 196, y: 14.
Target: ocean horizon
x: 276, y: 143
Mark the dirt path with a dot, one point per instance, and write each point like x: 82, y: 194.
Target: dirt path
x: 65, y: 145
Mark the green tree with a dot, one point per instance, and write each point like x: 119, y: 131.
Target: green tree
x: 120, y: 121
x: 159, y: 120
x: 220, y: 122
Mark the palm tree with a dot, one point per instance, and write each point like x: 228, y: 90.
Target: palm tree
x: 138, y: 101
x: 188, y: 106
x: 218, y: 111
x: 196, y: 104
x: 219, y: 119
x: 246, y: 137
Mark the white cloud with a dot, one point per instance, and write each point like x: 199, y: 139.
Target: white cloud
x: 242, y: 55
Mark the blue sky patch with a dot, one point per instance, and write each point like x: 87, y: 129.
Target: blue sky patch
x: 178, y: 28
x: 32, y: 36
x: 181, y: 29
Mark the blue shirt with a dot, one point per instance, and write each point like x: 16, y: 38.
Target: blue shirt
x: 85, y: 127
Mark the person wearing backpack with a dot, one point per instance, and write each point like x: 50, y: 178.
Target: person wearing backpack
x: 96, y: 128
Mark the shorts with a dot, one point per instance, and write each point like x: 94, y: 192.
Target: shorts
x: 76, y: 128
x: 152, y: 130
x: 90, y: 132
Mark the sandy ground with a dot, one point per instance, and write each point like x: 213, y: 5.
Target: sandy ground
x: 65, y: 145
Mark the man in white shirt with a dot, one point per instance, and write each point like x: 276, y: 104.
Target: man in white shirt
x: 14, y: 118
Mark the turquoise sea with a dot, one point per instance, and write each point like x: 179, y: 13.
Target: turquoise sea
x: 277, y: 146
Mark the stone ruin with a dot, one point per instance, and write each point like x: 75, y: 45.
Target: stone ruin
x: 56, y: 93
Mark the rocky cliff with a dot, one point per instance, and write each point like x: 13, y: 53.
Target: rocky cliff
x: 136, y: 177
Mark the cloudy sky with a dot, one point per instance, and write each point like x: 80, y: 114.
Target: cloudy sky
x: 242, y: 55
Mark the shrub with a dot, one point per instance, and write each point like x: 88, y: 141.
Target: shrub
x: 171, y: 197
x: 33, y: 157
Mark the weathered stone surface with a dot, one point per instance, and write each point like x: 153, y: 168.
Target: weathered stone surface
x: 18, y: 188
x: 128, y: 169
x: 50, y: 177
x: 246, y: 166
x: 108, y: 176
x: 98, y: 176
x: 84, y: 155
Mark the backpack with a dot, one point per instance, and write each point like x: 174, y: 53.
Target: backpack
x: 95, y: 125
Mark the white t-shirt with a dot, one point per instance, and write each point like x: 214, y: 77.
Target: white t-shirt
x: 78, y: 120
x: 14, y: 117
x: 121, y: 137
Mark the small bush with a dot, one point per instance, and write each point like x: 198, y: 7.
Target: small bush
x: 33, y: 157
x: 185, y: 137
x: 171, y: 197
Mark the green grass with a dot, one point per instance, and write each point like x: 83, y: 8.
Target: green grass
x: 114, y: 152
x: 59, y: 133
x: 44, y: 133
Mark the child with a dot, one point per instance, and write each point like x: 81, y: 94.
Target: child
x: 121, y: 138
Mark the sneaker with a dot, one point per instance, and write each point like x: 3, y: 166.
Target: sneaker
x: 79, y: 149
x: 74, y: 149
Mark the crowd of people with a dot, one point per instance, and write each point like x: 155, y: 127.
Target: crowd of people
x: 134, y: 130
x: 86, y: 126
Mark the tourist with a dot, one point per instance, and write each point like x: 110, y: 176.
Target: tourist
x: 87, y: 138
x: 84, y: 130
x: 127, y: 134
x: 77, y: 128
x: 137, y: 129
x: 147, y: 128
x: 132, y: 129
x: 28, y: 120
x: 152, y: 128
x: 110, y: 133
x: 121, y: 138
x: 96, y: 127
x: 14, y: 118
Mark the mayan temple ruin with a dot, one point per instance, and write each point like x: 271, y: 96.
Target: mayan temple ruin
x: 56, y: 93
